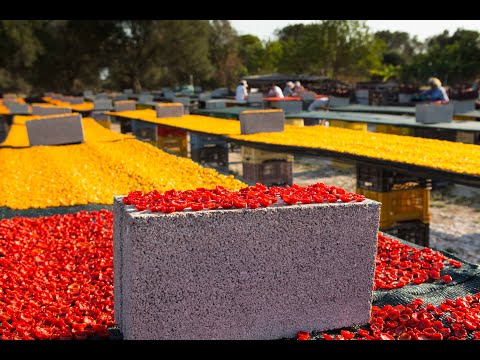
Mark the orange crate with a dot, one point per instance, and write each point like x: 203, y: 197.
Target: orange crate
x: 401, y: 205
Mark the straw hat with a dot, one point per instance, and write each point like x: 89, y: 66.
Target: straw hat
x: 434, y: 81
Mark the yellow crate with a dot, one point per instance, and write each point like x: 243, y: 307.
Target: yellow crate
x: 105, y: 123
x: 257, y: 156
x: 177, y: 145
x: 465, y: 137
x: 348, y: 125
x: 401, y: 205
x: 342, y: 165
x: 464, y: 118
x: 394, y: 130
x: 294, y: 122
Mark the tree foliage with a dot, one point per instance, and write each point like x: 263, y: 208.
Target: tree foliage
x: 72, y: 55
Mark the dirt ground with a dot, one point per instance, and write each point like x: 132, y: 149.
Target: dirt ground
x: 455, y: 210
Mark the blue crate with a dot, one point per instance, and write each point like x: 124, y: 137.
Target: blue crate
x: 201, y: 141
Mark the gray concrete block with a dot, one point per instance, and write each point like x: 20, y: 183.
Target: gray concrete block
x: 252, y: 122
x: 100, y: 116
x: 215, y: 104
x: 128, y: 91
x: 102, y: 96
x: 9, y: 97
x: 204, y: 96
x: 102, y: 105
x: 145, y: 98
x: 431, y: 113
x: 125, y: 105
x: 121, y: 97
x: 88, y: 93
x: 170, y: 110
x: 463, y: 106
x: 74, y: 100
x: 288, y: 106
x: 57, y: 130
x: 254, y: 98
x: 215, y: 275
x: 336, y: 101
x: 50, y: 110
x: 220, y: 92
x: 17, y: 108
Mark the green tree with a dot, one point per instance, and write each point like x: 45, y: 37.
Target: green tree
x: 75, y: 52
x: 149, y: 53
x: 19, y: 47
x: 343, y: 49
x: 400, y: 47
x: 452, y: 58
x: 252, y: 53
x: 224, y: 54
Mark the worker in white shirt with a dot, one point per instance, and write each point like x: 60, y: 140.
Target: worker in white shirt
x: 275, y: 91
x: 241, y: 92
x: 288, y: 90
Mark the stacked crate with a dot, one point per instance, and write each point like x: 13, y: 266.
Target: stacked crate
x: 267, y: 167
x: 173, y: 140
x: 209, y: 150
x: 405, y: 201
x: 145, y: 131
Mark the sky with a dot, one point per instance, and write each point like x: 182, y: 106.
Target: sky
x: 264, y: 29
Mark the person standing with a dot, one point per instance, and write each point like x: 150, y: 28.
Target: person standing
x: 241, y: 92
x: 288, y: 90
x: 275, y: 91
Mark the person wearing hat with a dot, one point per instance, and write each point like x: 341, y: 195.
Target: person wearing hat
x: 288, y: 90
x: 241, y: 92
x: 436, y: 91
x: 298, y: 89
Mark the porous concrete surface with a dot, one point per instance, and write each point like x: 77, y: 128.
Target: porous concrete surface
x: 215, y: 104
x: 56, y: 130
x: 170, y: 111
x: 431, y: 114
x: 50, y: 110
x: 288, y: 106
x: 255, y: 122
x: 243, y: 273
x: 16, y: 108
x: 125, y: 105
x: 100, y: 116
x: 102, y: 105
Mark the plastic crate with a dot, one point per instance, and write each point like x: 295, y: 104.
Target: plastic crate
x: 394, y: 130
x: 126, y: 126
x: 272, y: 172
x: 348, y: 125
x: 383, y: 180
x: 166, y: 131
x: 415, y: 231
x: 341, y: 165
x: 201, y: 141
x: 401, y: 205
x: 214, y: 155
x: 144, y: 130
x: 177, y: 145
x: 434, y: 133
x: 257, y: 156
x: 467, y: 137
